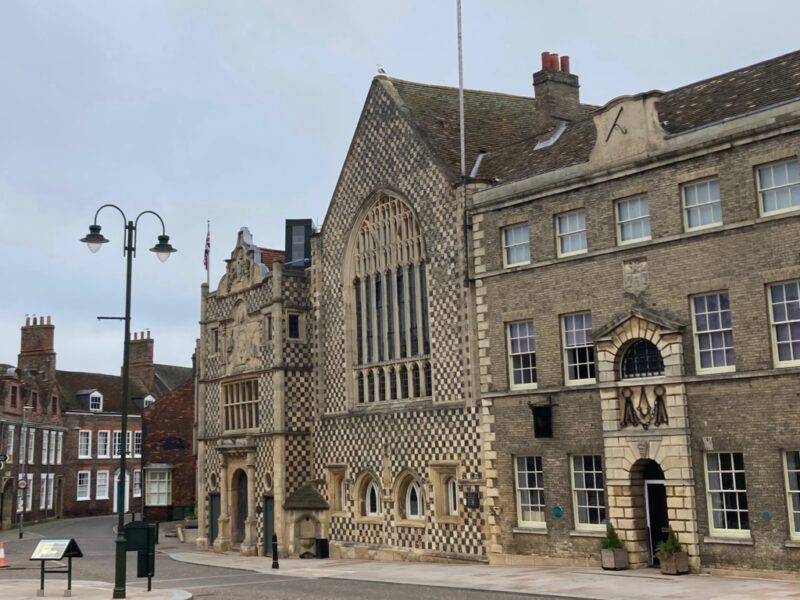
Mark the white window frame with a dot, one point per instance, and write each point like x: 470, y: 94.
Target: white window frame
x: 98, y: 493
x: 696, y: 185
x: 773, y: 324
x: 506, y: 246
x: 31, y: 445
x: 10, y: 429
x: 414, y: 486
x: 137, y: 442
x: 128, y: 443
x: 452, y: 496
x: 96, y: 398
x: 575, y: 490
x: 724, y: 532
x: 137, y: 483
x: 620, y: 222
x: 793, y: 508
x: 149, y: 400
x: 511, y: 354
x: 42, y: 491
x: 45, y: 446
x: 88, y: 495
x: 59, y: 453
x: 53, y: 439
x: 104, y: 449
x: 85, y: 434
x: 709, y: 331
x: 566, y: 349
x: 29, y: 492
x: 537, y: 489
x: 154, y: 498
x: 50, y: 484
x: 379, y: 508
x: 792, y: 186
x: 562, y: 235
x: 116, y: 443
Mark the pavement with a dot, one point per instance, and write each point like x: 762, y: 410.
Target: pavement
x: 555, y: 582
x: 26, y: 589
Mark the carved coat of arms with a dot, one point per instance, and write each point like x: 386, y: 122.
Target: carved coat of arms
x: 635, y: 277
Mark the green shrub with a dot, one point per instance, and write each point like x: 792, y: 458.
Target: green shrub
x: 671, y: 545
x: 611, y: 541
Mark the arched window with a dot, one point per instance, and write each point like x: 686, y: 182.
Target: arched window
x: 413, y: 501
x: 452, y: 496
x: 641, y: 359
x: 390, y: 302
x: 372, y: 501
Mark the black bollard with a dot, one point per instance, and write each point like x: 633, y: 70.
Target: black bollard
x: 274, y: 551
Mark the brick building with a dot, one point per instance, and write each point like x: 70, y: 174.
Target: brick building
x: 73, y: 433
x: 588, y: 353
x: 168, y: 455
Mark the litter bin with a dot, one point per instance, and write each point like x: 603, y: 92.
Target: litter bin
x: 323, y: 550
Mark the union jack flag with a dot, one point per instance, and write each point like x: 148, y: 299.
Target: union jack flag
x: 208, y: 250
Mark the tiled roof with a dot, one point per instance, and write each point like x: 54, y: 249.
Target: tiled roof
x: 269, y: 256
x: 492, y: 121
x: 731, y: 94
x: 169, y: 377
x: 71, y: 382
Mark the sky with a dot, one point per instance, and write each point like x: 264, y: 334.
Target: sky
x: 241, y: 112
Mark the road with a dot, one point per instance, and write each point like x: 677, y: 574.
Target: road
x: 95, y: 536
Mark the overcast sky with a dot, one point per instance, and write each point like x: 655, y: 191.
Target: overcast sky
x: 241, y: 112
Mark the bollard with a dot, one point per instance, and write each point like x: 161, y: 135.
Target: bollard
x: 274, y: 551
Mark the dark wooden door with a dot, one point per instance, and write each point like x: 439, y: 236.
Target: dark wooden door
x: 213, y: 515
x: 241, y: 505
x: 269, y: 524
x: 657, y: 519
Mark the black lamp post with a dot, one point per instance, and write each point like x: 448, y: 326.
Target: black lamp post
x: 163, y: 249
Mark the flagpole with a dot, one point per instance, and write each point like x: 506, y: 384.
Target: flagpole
x: 208, y: 259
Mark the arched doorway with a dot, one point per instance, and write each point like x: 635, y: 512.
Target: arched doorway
x: 655, y: 501
x: 7, y: 505
x: 239, y: 506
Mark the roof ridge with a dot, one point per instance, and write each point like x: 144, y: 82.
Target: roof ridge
x: 455, y: 89
x: 732, y: 71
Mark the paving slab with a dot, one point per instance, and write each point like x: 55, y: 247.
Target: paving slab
x: 558, y: 582
x: 26, y: 589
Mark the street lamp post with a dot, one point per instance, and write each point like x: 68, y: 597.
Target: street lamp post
x: 163, y: 249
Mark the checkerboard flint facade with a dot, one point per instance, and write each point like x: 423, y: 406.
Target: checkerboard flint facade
x: 623, y: 346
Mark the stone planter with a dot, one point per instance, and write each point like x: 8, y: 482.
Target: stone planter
x: 676, y: 563
x: 614, y: 559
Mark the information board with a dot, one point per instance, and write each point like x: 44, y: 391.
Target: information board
x: 55, y: 549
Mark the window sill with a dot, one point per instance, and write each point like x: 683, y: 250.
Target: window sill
x: 83, y: 499
x: 596, y: 533
x: 792, y: 543
x: 413, y: 523
x: 733, y: 541
x: 530, y: 530
x: 451, y: 519
x: 376, y: 520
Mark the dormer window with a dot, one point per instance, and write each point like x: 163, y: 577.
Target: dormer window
x: 96, y: 402
x: 148, y: 400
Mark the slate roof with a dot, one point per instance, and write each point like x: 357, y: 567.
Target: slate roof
x: 169, y: 377
x: 306, y: 497
x: 508, y: 127
x: 731, y: 94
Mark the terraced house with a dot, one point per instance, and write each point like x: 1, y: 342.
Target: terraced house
x: 600, y: 323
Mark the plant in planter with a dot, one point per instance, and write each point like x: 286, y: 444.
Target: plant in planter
x: 613, y: 555
x: 671, y: 557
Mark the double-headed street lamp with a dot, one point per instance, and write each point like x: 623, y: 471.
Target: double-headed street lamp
x: 163, y: 249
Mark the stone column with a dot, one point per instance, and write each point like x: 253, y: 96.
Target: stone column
x: 250, y: 542
x: 223, y: 541
x: 202, y: 515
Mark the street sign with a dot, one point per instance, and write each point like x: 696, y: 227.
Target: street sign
x: 22, y: 483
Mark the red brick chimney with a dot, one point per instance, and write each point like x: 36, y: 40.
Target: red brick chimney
x: 37, y: 354
x: 556, y: 89
x: 141, y: 359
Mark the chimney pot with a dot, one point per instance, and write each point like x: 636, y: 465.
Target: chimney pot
x: 27, y: 321
x: 565, y: 64
x: 49, y: 320
x: 545, y: 61
x: 553, y: 61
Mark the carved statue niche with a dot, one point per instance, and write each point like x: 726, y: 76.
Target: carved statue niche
x: 242, y: 339
x: 635, y: 276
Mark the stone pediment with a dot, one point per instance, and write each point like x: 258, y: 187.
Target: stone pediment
x: 244, y: 268
x: 306, y: 497
x: 644, y: 314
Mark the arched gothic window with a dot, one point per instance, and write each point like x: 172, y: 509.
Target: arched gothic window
x: 641, y: 359
x: 452, y: 496
x: 390, y: 301
x: 413, y: 501
x: 372, y: 500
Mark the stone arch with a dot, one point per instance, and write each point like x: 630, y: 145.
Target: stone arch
x: 362, y: 483
x: 638, y: 345
x: 239, y: 505
x: 400, y: 489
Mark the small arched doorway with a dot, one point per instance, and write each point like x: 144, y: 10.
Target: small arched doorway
x: 239, y: 502
x: 7, y: 505
x: 655, y: 498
